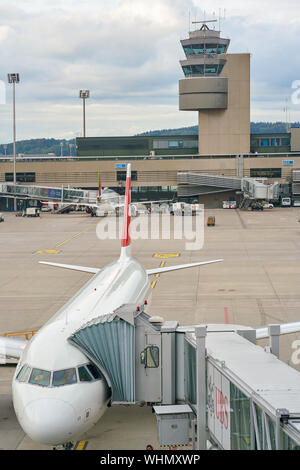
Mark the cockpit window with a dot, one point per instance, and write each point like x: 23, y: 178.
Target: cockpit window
x: 40, y: 377
x: 94, y: 371
x: 84, y: 375
x: 64, y: 377
x: 24, y: 374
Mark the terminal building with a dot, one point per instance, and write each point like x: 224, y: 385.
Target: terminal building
x: 216, y: 86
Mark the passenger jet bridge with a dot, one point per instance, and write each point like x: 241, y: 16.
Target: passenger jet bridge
x: 208, y: 384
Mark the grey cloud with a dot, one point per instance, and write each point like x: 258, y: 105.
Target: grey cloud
x: 127, y: 53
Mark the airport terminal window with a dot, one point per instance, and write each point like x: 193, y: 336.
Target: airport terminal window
x: 121, y: 175
x: 264, y: 143
x: 188, y: 50
x: 24, y: 374
x: 197, y: 69
x: 173, y: 144
x: 211, y: 69
x: 198, y: 48
x: 64, y: 377
x: 211, y: 48
x: 113, y: 144
x: 20, y: 177
x: 40, y: 377
x: 84, y: 375
x: 221, y: 48
x: 94, y: 371
x: 265, y: 172
x: 194, y: 49
x: 160, y: 144
x: 190, y: 144
x: 285, y: 141
x: 187, y: 71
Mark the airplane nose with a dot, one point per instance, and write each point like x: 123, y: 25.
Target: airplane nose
x: 49, y: 421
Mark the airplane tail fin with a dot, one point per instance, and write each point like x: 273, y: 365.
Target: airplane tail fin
x: 99, y: 185
x: 125, y: 244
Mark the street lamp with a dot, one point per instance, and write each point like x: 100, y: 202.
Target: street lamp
x: 14, y: 78
x: 84, y: 94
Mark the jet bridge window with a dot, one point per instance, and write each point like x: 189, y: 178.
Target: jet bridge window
x: 24, y: 374
x: 64, y: 377
x: 40, y: 377
x: 150, y: 357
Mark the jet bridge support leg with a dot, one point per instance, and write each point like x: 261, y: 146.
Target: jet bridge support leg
x: 200, y: 333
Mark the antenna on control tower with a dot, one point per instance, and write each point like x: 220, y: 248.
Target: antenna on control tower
x: 221, y: 16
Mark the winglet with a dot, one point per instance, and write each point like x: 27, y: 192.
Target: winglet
x: 125, y: 244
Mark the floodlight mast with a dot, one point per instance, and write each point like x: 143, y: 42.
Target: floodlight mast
x: 14, y: 78
x: 84, y: 94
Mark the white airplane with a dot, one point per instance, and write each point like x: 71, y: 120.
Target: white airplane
x: 109, y: 202
x: 58, y: 394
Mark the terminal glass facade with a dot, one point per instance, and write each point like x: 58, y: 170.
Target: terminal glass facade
x: 265, y: 172
x: 20, y: 177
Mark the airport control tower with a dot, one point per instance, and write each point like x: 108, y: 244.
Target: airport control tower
x: 217, y: 85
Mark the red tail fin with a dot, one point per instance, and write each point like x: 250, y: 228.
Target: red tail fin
x: 126, y: 218
x: 99, y: 184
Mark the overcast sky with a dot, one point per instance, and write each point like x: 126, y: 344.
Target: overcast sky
x: 127, y: 53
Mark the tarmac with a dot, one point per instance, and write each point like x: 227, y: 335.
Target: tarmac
x: 256, y: 284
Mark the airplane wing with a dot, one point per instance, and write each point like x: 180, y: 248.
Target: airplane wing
x: 71, y: 266
x: 11, y: 349
x: 179, y: 266
x: 87, y: 204
x: 285, y: 329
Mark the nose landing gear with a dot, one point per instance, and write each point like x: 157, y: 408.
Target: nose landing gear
x: 66, y: 446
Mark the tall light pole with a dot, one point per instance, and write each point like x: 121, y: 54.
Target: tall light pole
x: 84, y: 94
x: 14, y: 78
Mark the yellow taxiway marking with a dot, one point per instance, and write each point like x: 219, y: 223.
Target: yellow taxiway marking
x: 166, y: 255
x: 75, y: 236
x: 81, y: 445
x: 157, y: 275
x: 47, y: 252
x: 55, y: 251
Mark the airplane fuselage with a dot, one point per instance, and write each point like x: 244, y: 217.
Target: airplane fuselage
x: 53, y: 405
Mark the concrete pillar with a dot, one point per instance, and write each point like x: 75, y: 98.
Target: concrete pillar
x: 200, y: 333
x: 274, y: 332
x: 168, y: 362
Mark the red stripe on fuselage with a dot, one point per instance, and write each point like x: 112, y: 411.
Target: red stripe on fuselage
x: 126, y: 220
